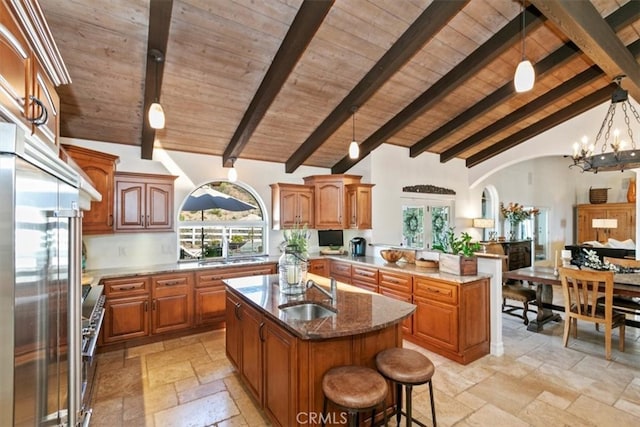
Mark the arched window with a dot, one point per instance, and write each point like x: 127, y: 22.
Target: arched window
x: 221, y: 219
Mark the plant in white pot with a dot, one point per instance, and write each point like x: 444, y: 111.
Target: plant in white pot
x: 457, y: 255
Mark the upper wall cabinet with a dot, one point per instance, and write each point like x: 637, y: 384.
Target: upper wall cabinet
x: 292, y: 204
x: 144, y: 202
x: 30, y: 69
x: 100, y: 168
x: 324, y: 202
x: 331, y: 199
x: 359, y: 206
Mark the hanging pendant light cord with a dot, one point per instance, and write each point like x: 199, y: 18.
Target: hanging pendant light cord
x: 523, y: 27
x: 353, y: 121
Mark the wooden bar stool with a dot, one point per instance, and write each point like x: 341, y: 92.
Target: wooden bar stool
x: 407, y: 368
x: 354, y: 389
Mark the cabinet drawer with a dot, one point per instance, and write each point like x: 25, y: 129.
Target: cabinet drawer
x: 126, y: 286
x: 437, y: 291
x: 171, y: 284
x: 364, y: 274
x: 318, y: 266
x: 209, y: 278
x: 341, y: 268
x: 396, y: 281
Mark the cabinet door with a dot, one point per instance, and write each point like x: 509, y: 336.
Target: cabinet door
x: 407, y: 324
x: 159, y: 206
x: 209, y: 305
x: 100, y: 168
x: 329, y: 205
x: 252, y: 326
x: 130, y: 205
x: 436, y: 323
x: 305, y: 207
x: 126, y: 318
x: 15, y: 69
x: 626, y: 228
x: 359, y: 206
x: 45, y: 92
x: 280, y: 374
x: 297, y: 207
x: 172, y: 302
x: 232, y: 335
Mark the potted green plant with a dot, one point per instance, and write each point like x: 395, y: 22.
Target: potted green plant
x: 457, y: 255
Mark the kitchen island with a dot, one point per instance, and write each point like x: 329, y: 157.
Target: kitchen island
x: 281, y: 358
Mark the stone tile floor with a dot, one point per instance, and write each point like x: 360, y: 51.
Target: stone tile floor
x: 538, y: 382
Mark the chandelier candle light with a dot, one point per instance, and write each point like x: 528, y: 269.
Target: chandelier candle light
x: 623, y: 155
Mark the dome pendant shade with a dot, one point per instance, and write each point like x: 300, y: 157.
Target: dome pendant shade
x: 354, y: 150
x: 233, y: 174
x: 156, y: 116
x: 525, y: 76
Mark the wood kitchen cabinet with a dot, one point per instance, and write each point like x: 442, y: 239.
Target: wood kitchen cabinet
x: 452, y: 319
x: 364, y: 277
x: 319, y: 266
x: 340, y: 270
x: 143, y: 202
x: 233, y: 331
x: 171, y: 302
x: 359, y: 206
x: 330, y: 199
x: 624, y: 213
x: 100, y: 168
x: 292, y: 205
x: 27, y: 88
x: 209, y: 292
x: 126, y: 308
x: 398, y: 286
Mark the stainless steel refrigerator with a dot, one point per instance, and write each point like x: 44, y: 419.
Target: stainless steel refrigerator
x: 40, y: 290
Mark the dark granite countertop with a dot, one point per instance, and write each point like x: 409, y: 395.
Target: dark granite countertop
x: 94, y: 276
x: 403, y: 267
x: 358, y: 311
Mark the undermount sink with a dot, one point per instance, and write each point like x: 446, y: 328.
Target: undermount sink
x: 306, y: 311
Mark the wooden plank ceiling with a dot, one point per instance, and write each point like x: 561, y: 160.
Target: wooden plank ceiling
x: 276, y: 80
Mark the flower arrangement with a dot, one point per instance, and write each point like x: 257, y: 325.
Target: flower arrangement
x: 516, y: 213
x: 590, y: 259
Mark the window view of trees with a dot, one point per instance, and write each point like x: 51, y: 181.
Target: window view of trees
x: 219, y: 220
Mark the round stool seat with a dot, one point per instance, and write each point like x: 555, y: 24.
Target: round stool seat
x: 405, y: 366
x: 354, y: 387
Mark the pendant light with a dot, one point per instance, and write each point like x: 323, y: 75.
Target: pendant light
x: 354, y: 148
x: 525, y: 75
x: 156, y: 113
x: 232, y: 175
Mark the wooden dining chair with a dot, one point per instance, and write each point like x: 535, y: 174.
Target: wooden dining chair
x: 581, y: 291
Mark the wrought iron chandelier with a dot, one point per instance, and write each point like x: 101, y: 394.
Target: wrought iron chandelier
x: 623, y: 154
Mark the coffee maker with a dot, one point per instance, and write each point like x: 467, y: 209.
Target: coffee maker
x: 358, y: 246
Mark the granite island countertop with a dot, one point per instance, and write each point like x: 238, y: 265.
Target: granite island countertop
x: 358, y: 311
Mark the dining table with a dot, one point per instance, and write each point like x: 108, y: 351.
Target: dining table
x: 544, y: 278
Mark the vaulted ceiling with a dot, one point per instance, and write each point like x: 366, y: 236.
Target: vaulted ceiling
x: 278, y: 80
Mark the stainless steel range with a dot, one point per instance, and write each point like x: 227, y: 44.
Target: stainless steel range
x: 92, y: 317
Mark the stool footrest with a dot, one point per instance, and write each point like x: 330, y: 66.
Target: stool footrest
x: 404, y: 414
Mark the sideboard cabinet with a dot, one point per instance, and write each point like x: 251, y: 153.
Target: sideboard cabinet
x: 624, y: 213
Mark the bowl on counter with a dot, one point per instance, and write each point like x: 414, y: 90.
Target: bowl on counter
x: 391, y: 255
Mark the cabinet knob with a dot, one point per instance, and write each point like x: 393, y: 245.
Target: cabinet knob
x: 260, y: 334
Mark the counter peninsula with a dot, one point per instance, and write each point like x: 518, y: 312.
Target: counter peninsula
x: 281, y: 359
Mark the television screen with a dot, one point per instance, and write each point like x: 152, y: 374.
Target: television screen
x: 331, y: 238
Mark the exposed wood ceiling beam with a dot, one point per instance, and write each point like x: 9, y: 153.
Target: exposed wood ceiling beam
x: 619, y: 19
x: 547, y: 123
x: 301, y: 32
x: 484, y: 54
x: 159, y: 23
x: 581, y: 22
x: 428, y: 24
x: 531, y: 108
